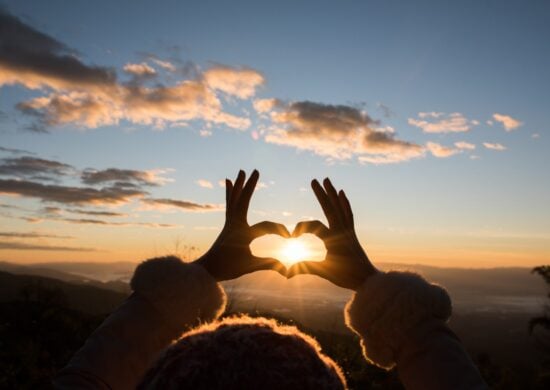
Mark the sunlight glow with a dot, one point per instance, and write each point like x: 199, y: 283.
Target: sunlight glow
x: 294, y: 251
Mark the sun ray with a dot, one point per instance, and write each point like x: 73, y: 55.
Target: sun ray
x: 294, y: 251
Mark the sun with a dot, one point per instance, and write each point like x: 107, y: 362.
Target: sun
x: 294, y: 251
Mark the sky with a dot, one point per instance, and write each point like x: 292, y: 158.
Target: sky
x: 119, y: 122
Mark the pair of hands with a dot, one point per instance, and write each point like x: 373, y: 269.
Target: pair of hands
x: 346, y: 263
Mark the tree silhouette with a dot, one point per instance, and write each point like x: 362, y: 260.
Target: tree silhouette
x: 542, y: 323
x: 543, y: 320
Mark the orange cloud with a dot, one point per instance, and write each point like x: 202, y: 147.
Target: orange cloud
x: 141, y: 69
x: 36, y: 60
x: 91, y: 96
x: 441, y: 151
x: 465, y: 145
x: 494, y: 146
x: 337, y: 132
x: 507, y: 121
x: 263, y: 106
x: 186, y: 205
x: 439, y: 122
x: 70, y: 195
x: 204, y: 183
x: 241, y: 83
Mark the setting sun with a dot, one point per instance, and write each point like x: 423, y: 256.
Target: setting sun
x: 294, y: 251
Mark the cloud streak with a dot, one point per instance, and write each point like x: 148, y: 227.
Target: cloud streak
x: 205, y: 183
x: 438, y: 150
x: 9, y: 245
x: 32, y: 167
x: 69, y: 195
x: 494, y: 146
x: 125, y: 177
x: 91, y: 221
x: 32, y: 235
x: 439, y: 122
x: 161, y: 203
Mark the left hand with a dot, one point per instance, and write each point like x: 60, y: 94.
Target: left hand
x: 230, y: 256
x: 346, y: 264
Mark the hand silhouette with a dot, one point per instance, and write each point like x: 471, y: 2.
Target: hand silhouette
x: 230, y: 255
x: 346, y: 264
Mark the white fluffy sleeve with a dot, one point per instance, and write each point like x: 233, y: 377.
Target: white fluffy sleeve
x: 387, y: 306
x: 183, y: 293
x: 169, y: 297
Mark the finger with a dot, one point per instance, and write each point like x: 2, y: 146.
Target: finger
x: 267, y: 263
x: 346, y: 208
x: 228, y: 191
x: 268, y: 227
x: 322, y: 197
x: 314, y: 227
x: 308, y: 267
x: 246, y: 194
x: 236, y: 191
x: 333, y: 198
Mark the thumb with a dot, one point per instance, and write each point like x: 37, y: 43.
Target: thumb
x: 267, y: 263
x: 308, y: 267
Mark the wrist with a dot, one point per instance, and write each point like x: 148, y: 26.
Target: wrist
x: 204, y: 262
x: 369, y: 271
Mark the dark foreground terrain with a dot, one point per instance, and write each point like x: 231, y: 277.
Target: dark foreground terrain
x: 47, y: 311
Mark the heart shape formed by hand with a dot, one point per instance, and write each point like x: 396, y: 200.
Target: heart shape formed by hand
x: 289, y: 251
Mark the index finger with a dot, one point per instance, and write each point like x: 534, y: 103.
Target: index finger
x: 322, y: 197
x: 246, y: 194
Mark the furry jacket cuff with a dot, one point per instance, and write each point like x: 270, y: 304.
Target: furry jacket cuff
x: 185, y: 294
x: 387, y: 307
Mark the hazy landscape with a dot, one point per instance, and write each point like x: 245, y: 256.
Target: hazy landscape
x: 492, y: 307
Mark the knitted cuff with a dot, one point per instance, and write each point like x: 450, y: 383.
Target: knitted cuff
x: 184, y: 293
x: 387, y: 306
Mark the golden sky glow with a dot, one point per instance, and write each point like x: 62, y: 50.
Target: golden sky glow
x: 115, y: 145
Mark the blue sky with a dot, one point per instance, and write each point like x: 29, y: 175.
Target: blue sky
x: 442, y: 204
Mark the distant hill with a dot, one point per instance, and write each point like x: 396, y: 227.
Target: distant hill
x: 60, y: 272
x: 108, y: 271
x: 86, y: 298
x: 509, y: 289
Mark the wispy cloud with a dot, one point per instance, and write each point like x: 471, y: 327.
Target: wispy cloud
x: 6, y: 245
x: 204, y: 183
x: 185, y: 205
x: 35, y: 168
x: 97, y: 213
x: 32, y: 235
x: 465, y: 145
x: 440, y: 122
x: 441, y: 151
x: 92, y: 221
x: 129, y: 176
x: 140, y: 70
x: 238, y: 82
x: 69, y: 194
x: 15, y: 151
x: 494, y: 146
x: 263, y: 106
x: 507, y: 121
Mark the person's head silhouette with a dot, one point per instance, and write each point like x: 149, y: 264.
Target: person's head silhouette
x: 244, y: 353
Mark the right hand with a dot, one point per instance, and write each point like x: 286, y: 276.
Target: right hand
x: 230, y: 256
x: 346, y: 264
